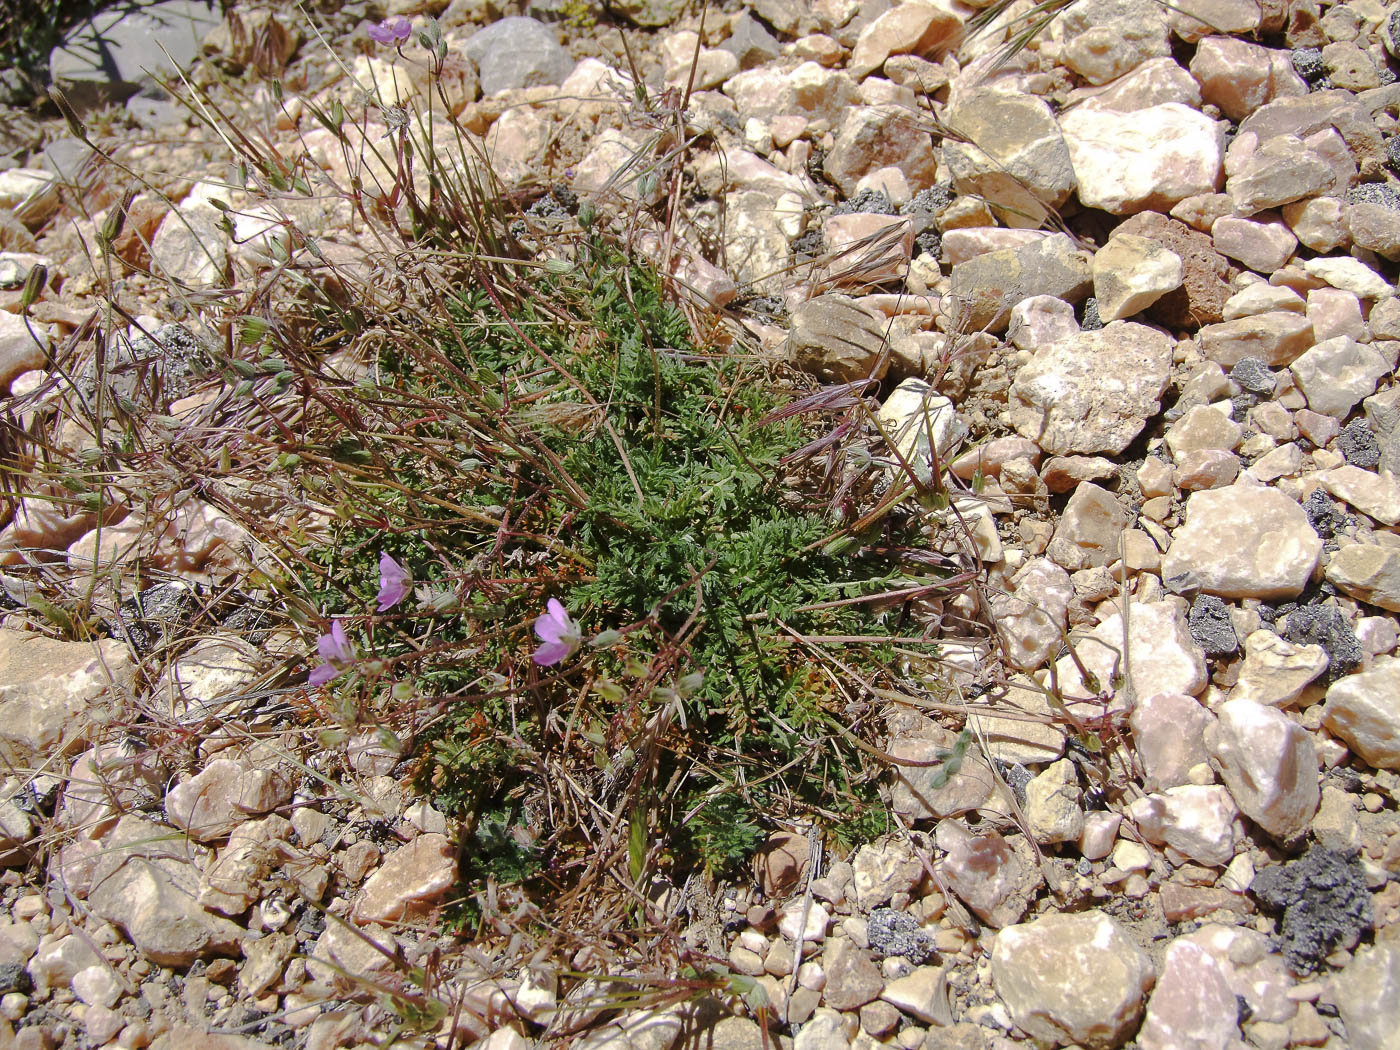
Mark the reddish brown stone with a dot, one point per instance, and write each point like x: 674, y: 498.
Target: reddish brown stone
x: 1205, y: 285
x: 1191, y: 902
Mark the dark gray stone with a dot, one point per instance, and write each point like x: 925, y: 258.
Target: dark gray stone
x: 1324, y: 515
x: 1380, y: 193
x: 1308, y: 63
x: 875, y: 202
x: 1210, y: 627
x: 1325, y: 625
x: 891, y: 932
x: 1324, y: 902
x: 1253, y: 376
x: 1091, y: 320
x: 517, y: 52
x: 1358, y: 445
x: 111, y: 55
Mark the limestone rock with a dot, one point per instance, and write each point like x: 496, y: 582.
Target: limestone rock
x: 1262, y: 246
x: 1192, y: 1005
x: 834, y: 337
x: 872, y: 137
x: 1337, y: 373
x: 1239, y: 77
x: 1094, y: 391
x: 49, y: 691
x: 1169, y: 729
x: 1279, y: 171
x: 984, y: 290
x: 1072, y: 979
x: 994, y: 876
x: 413, y: 880
x: 1031, y: 618
x: 1052, y: 809
x: 916, y: 795
x: 145, y: 883
x: 1242, y: 542
x: 883, y: 869
x: 1088, y: 530
x: 517, y: 52
x: 1368, y: 997
x: 809, y: 91
x: 1268, y: 762
x: 1199, y: 821
x: 1350, y: 275
x: 1102, y: 40
x: 1276, y: 671
x: 1361, y: 710
x: 1152, y: 158
x: 1026, y: 740
x: 1369, y: 572
x: 1008, y: 150
x: 1276, y: 337
x: 1131, y: 273
x: 1374, y: 494
x: 910, y: 28
x: 920, y: 423
x: 1204, y: 287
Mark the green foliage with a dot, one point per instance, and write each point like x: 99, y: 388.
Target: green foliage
x: 583, y: 449
x: 723, y: 834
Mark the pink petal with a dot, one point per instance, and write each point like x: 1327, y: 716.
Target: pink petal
x: 551, y: 653
x: 319, y: 676
x: 548, y: 629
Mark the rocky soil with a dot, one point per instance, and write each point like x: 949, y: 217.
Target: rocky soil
x: 1139, y: 275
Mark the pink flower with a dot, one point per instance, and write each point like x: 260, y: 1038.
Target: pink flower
x: 394, y: 582
x: 391, y: 31
x: 335, y: 649
x: 559, y: 633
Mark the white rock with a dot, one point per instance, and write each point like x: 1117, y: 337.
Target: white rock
x: 1350, y: 275
x: 912, y: 415
x: 1052, y: 806
x: 1268, y: 762
x: 1337, y: 373
x: 1131, y: 273
x: 1072, y: 978
x: 1192, y: 1005
x: 1242, y: 541
x: 1374, y: 494
x: 1152, y: 158
x: 1276, y: 671
x: 1031, y: 618
x: 1200, y: 821
x: 790, y: 921
x: 1361, y: 709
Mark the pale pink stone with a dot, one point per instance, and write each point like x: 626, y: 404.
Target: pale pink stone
x: 1193, y: 1005
x: 1100, y: 829
x: 412, y: 880
x: 990, y: 455
x: 1263, y: 243
x: 1334, y: 312
x: 1268, y: 762
x: 1198, y: 821
x: 1169, y: 729
x: 964, y: 244
x: 1156, y: 81
x: 1126, y: 162
x: 914, y: 28
x: 1320, y: 223
x: 888, y: 245
x: 1041, y: 320
x: 1206, y: 468
x: 1239, y: 77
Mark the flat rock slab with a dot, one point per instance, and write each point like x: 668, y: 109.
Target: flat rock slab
x: 986, y: 288
x: 48, y: 688
x: 1092, y: 392
x: 1072, y: 979
x: 1243, y: 541
x: 110, y: 55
